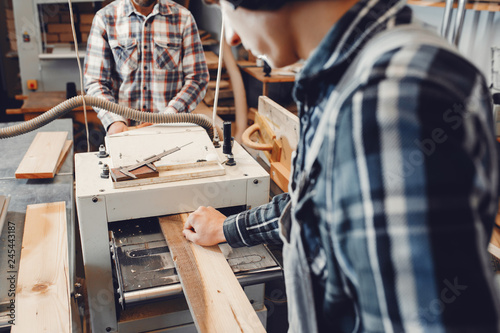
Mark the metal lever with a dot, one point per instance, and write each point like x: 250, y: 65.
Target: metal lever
x: 445, y: 25
x: 459, y: 22
x: 228, y: 144
x: 453, y: 35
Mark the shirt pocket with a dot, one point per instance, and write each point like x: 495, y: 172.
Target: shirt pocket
x: 125, y: 54
x: 167, y: 53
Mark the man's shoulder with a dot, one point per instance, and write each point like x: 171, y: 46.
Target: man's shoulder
x: 424, y: 64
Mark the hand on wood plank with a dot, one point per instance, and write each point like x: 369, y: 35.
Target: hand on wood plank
x: 204, y: 227
x: 215, y: 298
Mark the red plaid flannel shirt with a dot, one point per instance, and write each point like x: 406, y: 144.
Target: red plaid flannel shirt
x: 154, y: 63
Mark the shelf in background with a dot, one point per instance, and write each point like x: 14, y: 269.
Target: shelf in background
x: 62, y: 52
x: 492, y: 5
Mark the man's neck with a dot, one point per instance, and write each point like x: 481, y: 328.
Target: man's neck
x: 144, y: 10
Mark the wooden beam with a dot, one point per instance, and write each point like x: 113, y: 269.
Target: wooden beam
x: 43, y: 291
x: 215, y: 298
x: 64, y: 153
x: 40, y: 161
x: 4, y: 205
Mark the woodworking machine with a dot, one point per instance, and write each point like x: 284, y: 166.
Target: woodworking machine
x: 131, y: 282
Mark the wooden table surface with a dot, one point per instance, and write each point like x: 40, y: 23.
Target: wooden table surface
x: 258, y: 73
x: 41, y: 101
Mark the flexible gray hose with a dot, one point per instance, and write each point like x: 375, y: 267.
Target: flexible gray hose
x: 68, y: 105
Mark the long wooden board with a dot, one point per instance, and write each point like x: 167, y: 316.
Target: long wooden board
x: 40, y: 161
x: 43, y: 291
x: 215, y: 298
x: 63, y: 155
x: 4, y: 204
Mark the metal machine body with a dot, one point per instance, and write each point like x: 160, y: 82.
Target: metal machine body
x: 122, y: 246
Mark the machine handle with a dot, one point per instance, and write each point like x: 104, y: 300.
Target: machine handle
x: 446, y: 23
x: 459, y: 22
x: 245, y: 139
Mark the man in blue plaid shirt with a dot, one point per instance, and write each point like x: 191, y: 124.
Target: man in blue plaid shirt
x: 147, y: 55
x: 393, y: 191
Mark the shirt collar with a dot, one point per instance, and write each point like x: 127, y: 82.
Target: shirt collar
x: 345, y: 39
x: 160, y: 8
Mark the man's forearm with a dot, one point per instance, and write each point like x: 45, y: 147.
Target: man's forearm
x: 256, y: 226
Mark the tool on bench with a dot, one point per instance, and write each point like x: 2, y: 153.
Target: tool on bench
x: 142, y: 169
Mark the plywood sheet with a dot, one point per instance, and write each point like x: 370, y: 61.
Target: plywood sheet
x: 215, y: 298
x: 40, y: 161
x: 43, y: 291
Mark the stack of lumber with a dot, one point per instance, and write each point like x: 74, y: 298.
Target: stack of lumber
x: 45, y: 155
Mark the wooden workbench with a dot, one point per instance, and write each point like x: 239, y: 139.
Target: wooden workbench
x: 38, y: 102
x: 258, y: 73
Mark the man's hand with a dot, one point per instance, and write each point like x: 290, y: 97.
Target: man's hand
x: 204, y: 227
x: 117, y: 127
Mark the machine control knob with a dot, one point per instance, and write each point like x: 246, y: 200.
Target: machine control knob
x: 102, y: 152
x: 105, y: 171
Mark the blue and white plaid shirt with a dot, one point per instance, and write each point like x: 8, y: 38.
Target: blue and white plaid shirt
x: 401, y: 200
x: 153, y: 64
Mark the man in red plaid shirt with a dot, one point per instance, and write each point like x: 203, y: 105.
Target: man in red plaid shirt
x: 147, y: 55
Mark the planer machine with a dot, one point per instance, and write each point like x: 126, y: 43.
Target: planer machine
x: 131, y: 282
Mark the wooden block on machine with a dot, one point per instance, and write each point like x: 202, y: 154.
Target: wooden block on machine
x: 215, y: 298
x: 41, y: 159
x: 142, y: 172
x: 173, y: 173
x: 43, y: 291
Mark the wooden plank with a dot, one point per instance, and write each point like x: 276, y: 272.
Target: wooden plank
x: 215, y: 297
x: 212, y: 60
x: 43, y: 291
x: 173, y: 173
x: 4, y: 205
x: 280, y: 175
x: 40, y: 161
x: 64, y: 153
x: 142, y: 172
x: 222, y: 85
x: 223, y: 94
